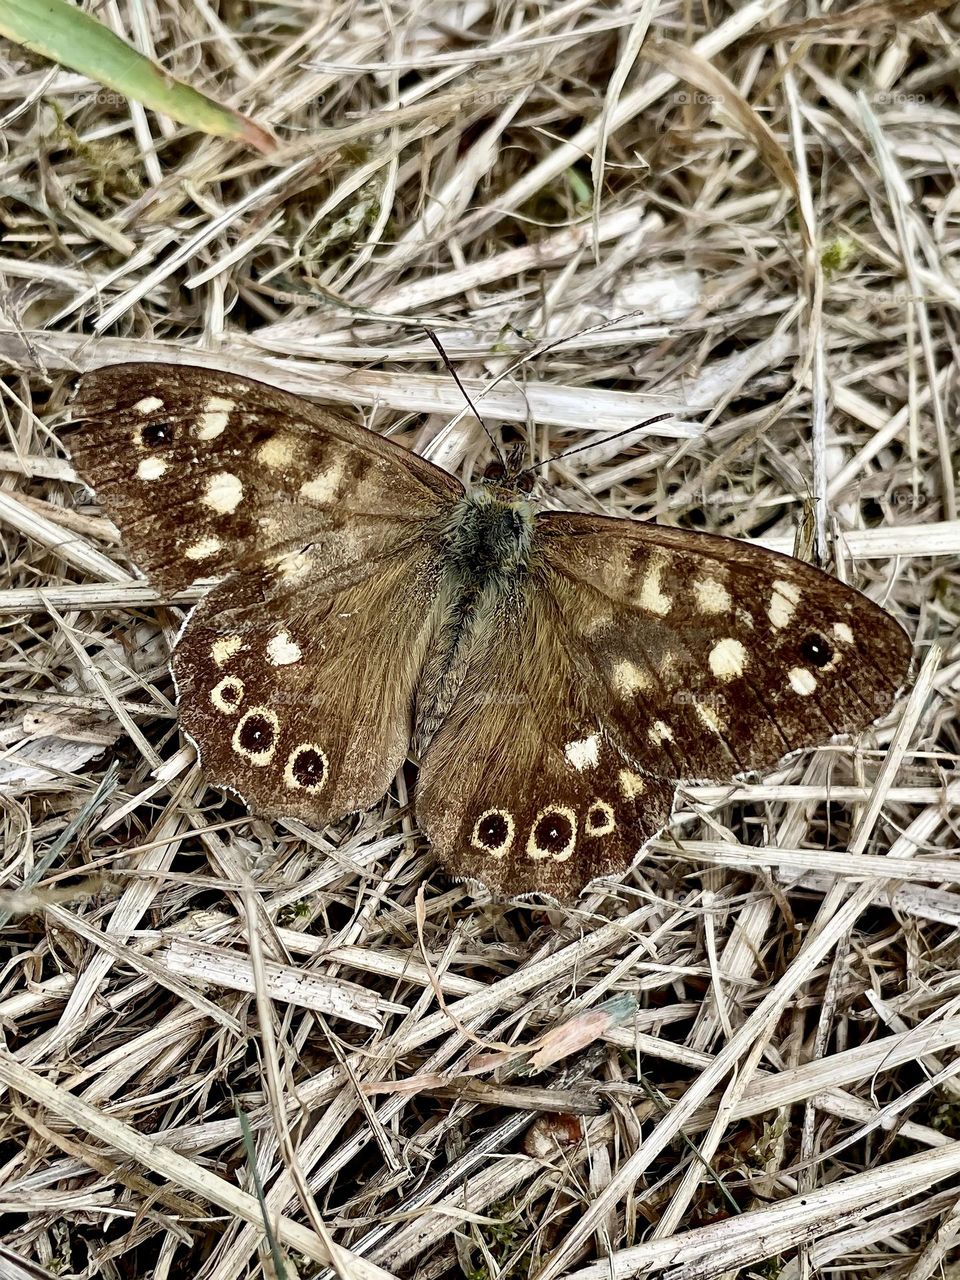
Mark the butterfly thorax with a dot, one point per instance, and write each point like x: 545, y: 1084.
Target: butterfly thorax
x: 487, y: 546
x: 488, y: 538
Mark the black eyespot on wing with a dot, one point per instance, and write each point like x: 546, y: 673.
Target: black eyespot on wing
x: 230, y: 692
x: 816, y: 649
x: 492, y: 830
x: 308, y: 767
x: 554, y: 832
x: 600, y: 819
x: 256, y: 734
x: 157, y: 435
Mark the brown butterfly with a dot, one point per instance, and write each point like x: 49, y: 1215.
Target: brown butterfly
x: 555, y: 674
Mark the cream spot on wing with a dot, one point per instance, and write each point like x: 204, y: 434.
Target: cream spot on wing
x: 227, y: 695
x: 728, y: 658
x: 631, y: 784
x: 223, y: 493
x: 281, y: 650
x: 712, y: 596
x: 202, y: 549
x: 323, y: 488
x: 256, y: 735
x: 652, y: 597
x: 709, y: 717
x: 553, y: 834
x: 493, y: 832
x: 802, y: 681
x: 600, y: 819
x: 151, y: 468
x: 306, y: 768
x: 843, y: 632
x: 294, y: 568
x: 659, y: 732
x: 583, y: 754
x: 149, y: 404
x: 783, y: 603
x: 628, y: 678
x: 214, y: 418
x: 224, y: 649
x: 278, y: 451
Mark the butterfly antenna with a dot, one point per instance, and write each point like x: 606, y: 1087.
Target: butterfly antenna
x: 568, y: 453
x: 534, y: 352
x: 463, y: 391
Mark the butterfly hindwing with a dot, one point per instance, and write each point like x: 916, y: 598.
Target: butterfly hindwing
x: 520, y: 788
x: 297, y: 684
x: 206, y: 472
x: 708, y: 657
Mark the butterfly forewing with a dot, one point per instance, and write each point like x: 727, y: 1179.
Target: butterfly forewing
x: 296, y: 674
x: 207, y: 472
x: 707, y: 657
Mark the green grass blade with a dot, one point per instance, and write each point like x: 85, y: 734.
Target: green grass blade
x: 63, y: 33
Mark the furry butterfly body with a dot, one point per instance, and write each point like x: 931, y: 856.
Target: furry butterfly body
x: 556, y: 675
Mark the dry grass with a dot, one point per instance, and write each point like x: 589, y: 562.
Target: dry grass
x: 757, y: 1072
